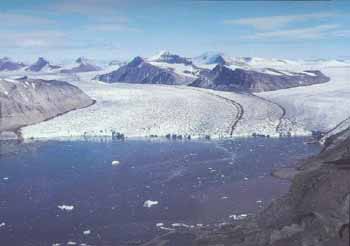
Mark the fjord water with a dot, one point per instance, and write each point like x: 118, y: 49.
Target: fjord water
x: 194, y: 182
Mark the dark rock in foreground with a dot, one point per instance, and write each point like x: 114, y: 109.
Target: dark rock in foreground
x: 226, y: 79
x: 28, y: 101
x: 139, y: 71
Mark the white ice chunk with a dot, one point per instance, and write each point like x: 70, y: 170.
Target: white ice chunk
x: 66, y: 207
x: 115, y: 163
x: 150, y: 203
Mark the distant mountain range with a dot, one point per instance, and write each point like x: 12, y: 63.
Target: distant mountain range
x: 212, y: 70
x: 226, y: 79
x: 215, y: 71
x: 6, y: 64
x: 82, y: 65
x: 141, y: 71
x: 40, y: 65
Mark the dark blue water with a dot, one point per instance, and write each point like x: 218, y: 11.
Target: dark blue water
x: 194, y: 183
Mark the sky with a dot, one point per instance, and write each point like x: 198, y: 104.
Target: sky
x: 122, y: 29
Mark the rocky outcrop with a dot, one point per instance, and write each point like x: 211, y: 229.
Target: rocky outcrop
x: 226, y: 79
x: 40, y: 65
x: 28, y: 101
x: 82, y: 65
x: 141, y: 72
x: 6, y: 64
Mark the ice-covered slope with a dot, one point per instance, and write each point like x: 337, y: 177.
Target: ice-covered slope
x: 210, y: 58
x: 318, y: 107
x: 143, y: 110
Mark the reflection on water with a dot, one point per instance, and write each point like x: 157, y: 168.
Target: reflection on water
x: 61, y: 191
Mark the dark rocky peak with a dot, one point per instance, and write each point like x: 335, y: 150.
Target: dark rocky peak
x: 224, y: 78
x: 136, y: 61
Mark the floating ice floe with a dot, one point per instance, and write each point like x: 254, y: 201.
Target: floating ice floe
x: 150, y: 203
x: 166, y: 228
x: 115, y: 163
x: 238, y: 216
x: 159, y: 224
x: 2, y: 224
x: 66, y: 207
x: 5, y: 178
x: 180, y: 225
x: 71, y: 243
x: 87, y: 232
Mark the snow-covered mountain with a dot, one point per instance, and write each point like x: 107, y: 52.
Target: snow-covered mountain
x: 42, y: 65
x: 226, y: 79
x: 81, y: 65
x: 6, y: 64
x: 239, y: 74
x: 209, y: 58
x: 141, y: 71
x: 167, y: 57
x: 310, y: 105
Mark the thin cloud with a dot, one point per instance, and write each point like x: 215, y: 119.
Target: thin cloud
x: 316, y: 32
x: 276, y: 22
x: 110, y: 23
x: 35, y: 39
x: 342, y: 33
x: 11, y: 19
x: 111, y: 28
x: 92, y: 7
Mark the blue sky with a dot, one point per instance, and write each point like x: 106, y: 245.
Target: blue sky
x: 119, y: 29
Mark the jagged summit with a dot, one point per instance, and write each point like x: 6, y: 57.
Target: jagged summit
x: 136, y: 61
x: 40, y: 65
